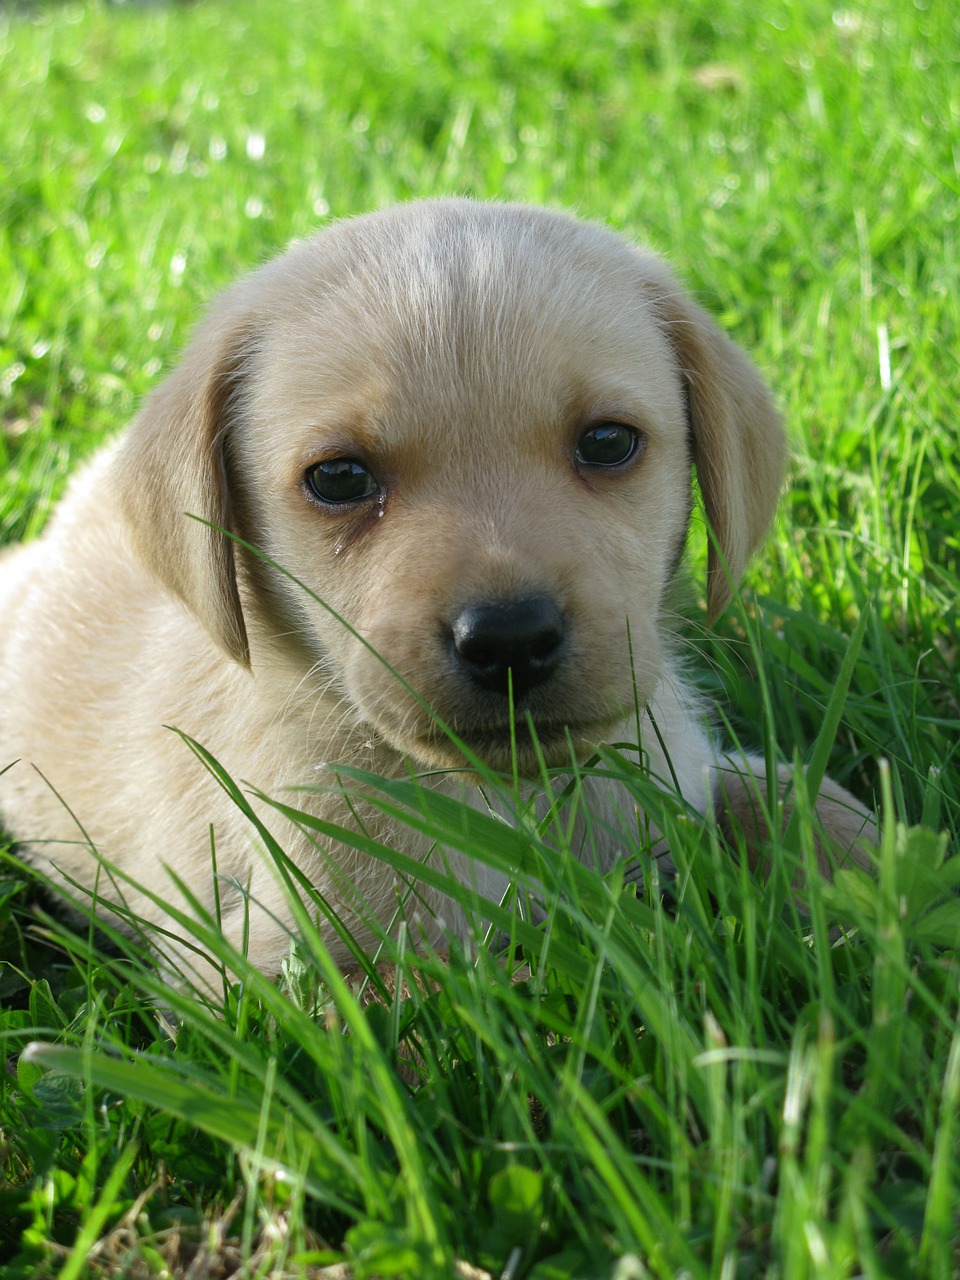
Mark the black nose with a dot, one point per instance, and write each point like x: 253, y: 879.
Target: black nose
x: 524, y: 637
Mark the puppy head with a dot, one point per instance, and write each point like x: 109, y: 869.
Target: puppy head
x: 468, y: 429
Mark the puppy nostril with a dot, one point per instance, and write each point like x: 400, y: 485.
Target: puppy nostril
x: 522, y: 637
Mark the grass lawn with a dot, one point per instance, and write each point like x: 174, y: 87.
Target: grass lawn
x: 710, y: 1085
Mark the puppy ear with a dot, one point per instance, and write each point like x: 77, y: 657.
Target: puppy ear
x: 170, y: 466
x: 738, y: 441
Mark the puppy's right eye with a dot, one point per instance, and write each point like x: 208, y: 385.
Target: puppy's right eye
x: 337, y: 481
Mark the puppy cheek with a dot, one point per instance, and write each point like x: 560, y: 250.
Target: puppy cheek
x: 643, y: 656
x: 398, y: 661
x: 616, y: 627
x: 632, y: 665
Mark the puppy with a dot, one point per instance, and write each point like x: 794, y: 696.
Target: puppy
x: 468, y: 430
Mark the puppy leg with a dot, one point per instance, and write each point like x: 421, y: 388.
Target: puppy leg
x: 743, y: 812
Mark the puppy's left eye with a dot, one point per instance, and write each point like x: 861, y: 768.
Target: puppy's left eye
x: 608, y: 444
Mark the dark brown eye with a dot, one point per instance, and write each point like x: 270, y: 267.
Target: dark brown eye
x: 338, y: 481
x: 608, y: 444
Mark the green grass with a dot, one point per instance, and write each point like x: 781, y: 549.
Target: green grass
x: 716, y: 1086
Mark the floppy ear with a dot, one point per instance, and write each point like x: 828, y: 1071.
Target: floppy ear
x: 738, y: 441
x: 170, y: 466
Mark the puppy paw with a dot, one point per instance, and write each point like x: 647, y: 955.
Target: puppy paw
x: 843, y: 830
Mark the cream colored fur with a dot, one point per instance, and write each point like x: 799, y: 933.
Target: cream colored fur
x: 459, y: 350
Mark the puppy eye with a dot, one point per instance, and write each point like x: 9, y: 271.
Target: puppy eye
x: 341, y: 480
x: 608, y: 444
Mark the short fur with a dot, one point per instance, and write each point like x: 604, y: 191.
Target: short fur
x: 459, y: 350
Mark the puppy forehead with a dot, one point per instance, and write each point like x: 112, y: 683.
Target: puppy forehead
x: 462, y: 310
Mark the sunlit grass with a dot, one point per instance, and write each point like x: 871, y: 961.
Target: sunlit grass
x: 706, y: 1080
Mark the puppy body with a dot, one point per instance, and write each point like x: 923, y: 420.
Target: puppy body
x: 468, y: 431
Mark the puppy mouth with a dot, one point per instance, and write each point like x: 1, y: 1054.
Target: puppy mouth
x: 504, y: 747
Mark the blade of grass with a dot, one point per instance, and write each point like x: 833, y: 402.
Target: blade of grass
x: 820, y: 755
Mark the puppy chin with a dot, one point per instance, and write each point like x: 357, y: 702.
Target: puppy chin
x: 505, y: 750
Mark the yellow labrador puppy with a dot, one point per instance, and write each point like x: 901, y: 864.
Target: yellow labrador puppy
x: 469, y: 430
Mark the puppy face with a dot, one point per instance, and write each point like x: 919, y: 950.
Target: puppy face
x: 468, y: 430
x: 480, y: 460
